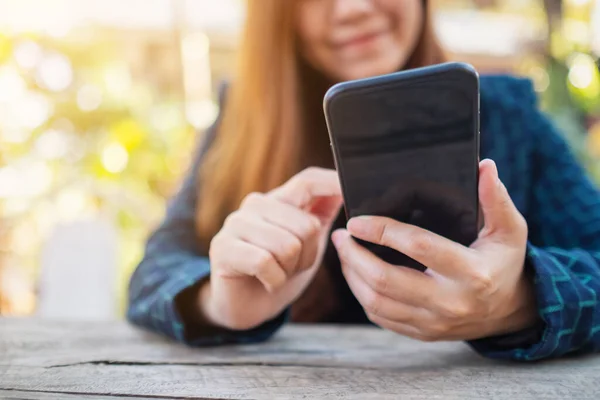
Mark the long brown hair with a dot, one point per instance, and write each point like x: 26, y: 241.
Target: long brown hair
x: 272, y: 124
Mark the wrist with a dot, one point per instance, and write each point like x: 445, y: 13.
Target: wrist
x: 229, y: 317
x: 206, y: 314
x: 525, y: 313
x: 522, y: 312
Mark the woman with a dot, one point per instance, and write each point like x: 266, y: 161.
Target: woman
x: 247, y: 243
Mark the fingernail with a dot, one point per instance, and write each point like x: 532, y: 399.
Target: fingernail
x: 359, y: 226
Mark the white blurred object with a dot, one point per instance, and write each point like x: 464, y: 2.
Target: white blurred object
x: 78, y: 272
x: 596, y: 28
x: 474, y: 32
x: 461, y: 31
x: 57, y: 17
x: 55, y: 72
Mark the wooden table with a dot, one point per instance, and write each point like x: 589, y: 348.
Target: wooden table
x: 58, y: 360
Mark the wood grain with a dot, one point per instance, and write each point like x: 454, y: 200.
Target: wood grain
x: 113, y: 359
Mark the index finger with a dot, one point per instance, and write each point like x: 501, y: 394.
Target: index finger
x: 442, y: 255
x: 400, y: 284
x: 307, y: 185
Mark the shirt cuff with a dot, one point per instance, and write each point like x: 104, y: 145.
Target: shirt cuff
x: 159, y: 308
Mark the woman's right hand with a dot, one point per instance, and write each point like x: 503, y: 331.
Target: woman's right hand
x: 269, y: 250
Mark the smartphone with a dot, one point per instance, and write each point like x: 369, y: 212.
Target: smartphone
x: 406, y: 146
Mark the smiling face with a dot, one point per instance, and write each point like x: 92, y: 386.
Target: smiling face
x: 353, y: 39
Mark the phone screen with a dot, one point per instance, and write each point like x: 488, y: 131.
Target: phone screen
x: 409, y: 150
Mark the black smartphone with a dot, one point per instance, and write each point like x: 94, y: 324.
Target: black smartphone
x: 406, y: 146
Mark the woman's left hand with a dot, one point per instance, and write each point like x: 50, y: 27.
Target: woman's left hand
x: 466, y: 293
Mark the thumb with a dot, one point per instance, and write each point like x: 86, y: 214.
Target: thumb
x: 499, y: 212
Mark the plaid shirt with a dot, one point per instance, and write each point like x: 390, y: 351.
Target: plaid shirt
x: 550, y: 189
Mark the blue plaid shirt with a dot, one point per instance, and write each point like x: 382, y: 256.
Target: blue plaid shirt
x: 550, y: 189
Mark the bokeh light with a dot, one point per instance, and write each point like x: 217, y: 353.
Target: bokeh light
x: 52, y: 144
x: 117, y: 80
x: 33, y: 110
x: 582, y: 71
x: 115, y: 158
x: 28, y: 178
x: 584, y: 81
x: 201, y: 114
x: 72, y: 204
x: 55, y: 73
x: 28, y: 54
x: 89, y: 98
x: 12, y: 84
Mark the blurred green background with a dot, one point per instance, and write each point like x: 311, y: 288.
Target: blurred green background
x: 100, y: 103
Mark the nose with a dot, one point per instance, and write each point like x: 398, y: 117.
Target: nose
x: 349, y: 10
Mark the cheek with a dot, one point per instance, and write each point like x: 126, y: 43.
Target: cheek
x: 311, y: 32
x: 407, y: 17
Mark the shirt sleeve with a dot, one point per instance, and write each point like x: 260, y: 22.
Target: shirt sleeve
x: 563, y: 254
x: 174, y: 265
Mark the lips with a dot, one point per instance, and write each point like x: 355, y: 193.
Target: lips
x: 359, y: 40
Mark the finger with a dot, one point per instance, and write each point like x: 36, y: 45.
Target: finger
x: 306, y: 186
x: 442, y: 255
x: 244, y: 259
x: 283, y: 245
x: 426, y: 333
x: 499, y: 212
x: 303, y: 225
x: 297, y: 221
x: 377, y: 304
x: 401, y: 284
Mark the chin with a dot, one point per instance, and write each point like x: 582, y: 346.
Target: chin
x: 380, y: 66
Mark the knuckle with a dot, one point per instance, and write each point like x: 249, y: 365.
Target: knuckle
x: 262, y: 261
x: 437, y: 331
x: 482, y: 281
x: 372, y: 303
x: 232, y: 219
x: 371, y: 318
x: 307, y: 175
x: 376, y: 320
x: 456, y: 310
x: 310, y: 172
x: 311, y: 227
x: 214, y: 247
x: 252, y: 199
x: 219, y: 245
x: 380, y: 280
x: 382, y: 233
x: 420, y: 243
x: 291, y: 249
x: 427, y: 297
